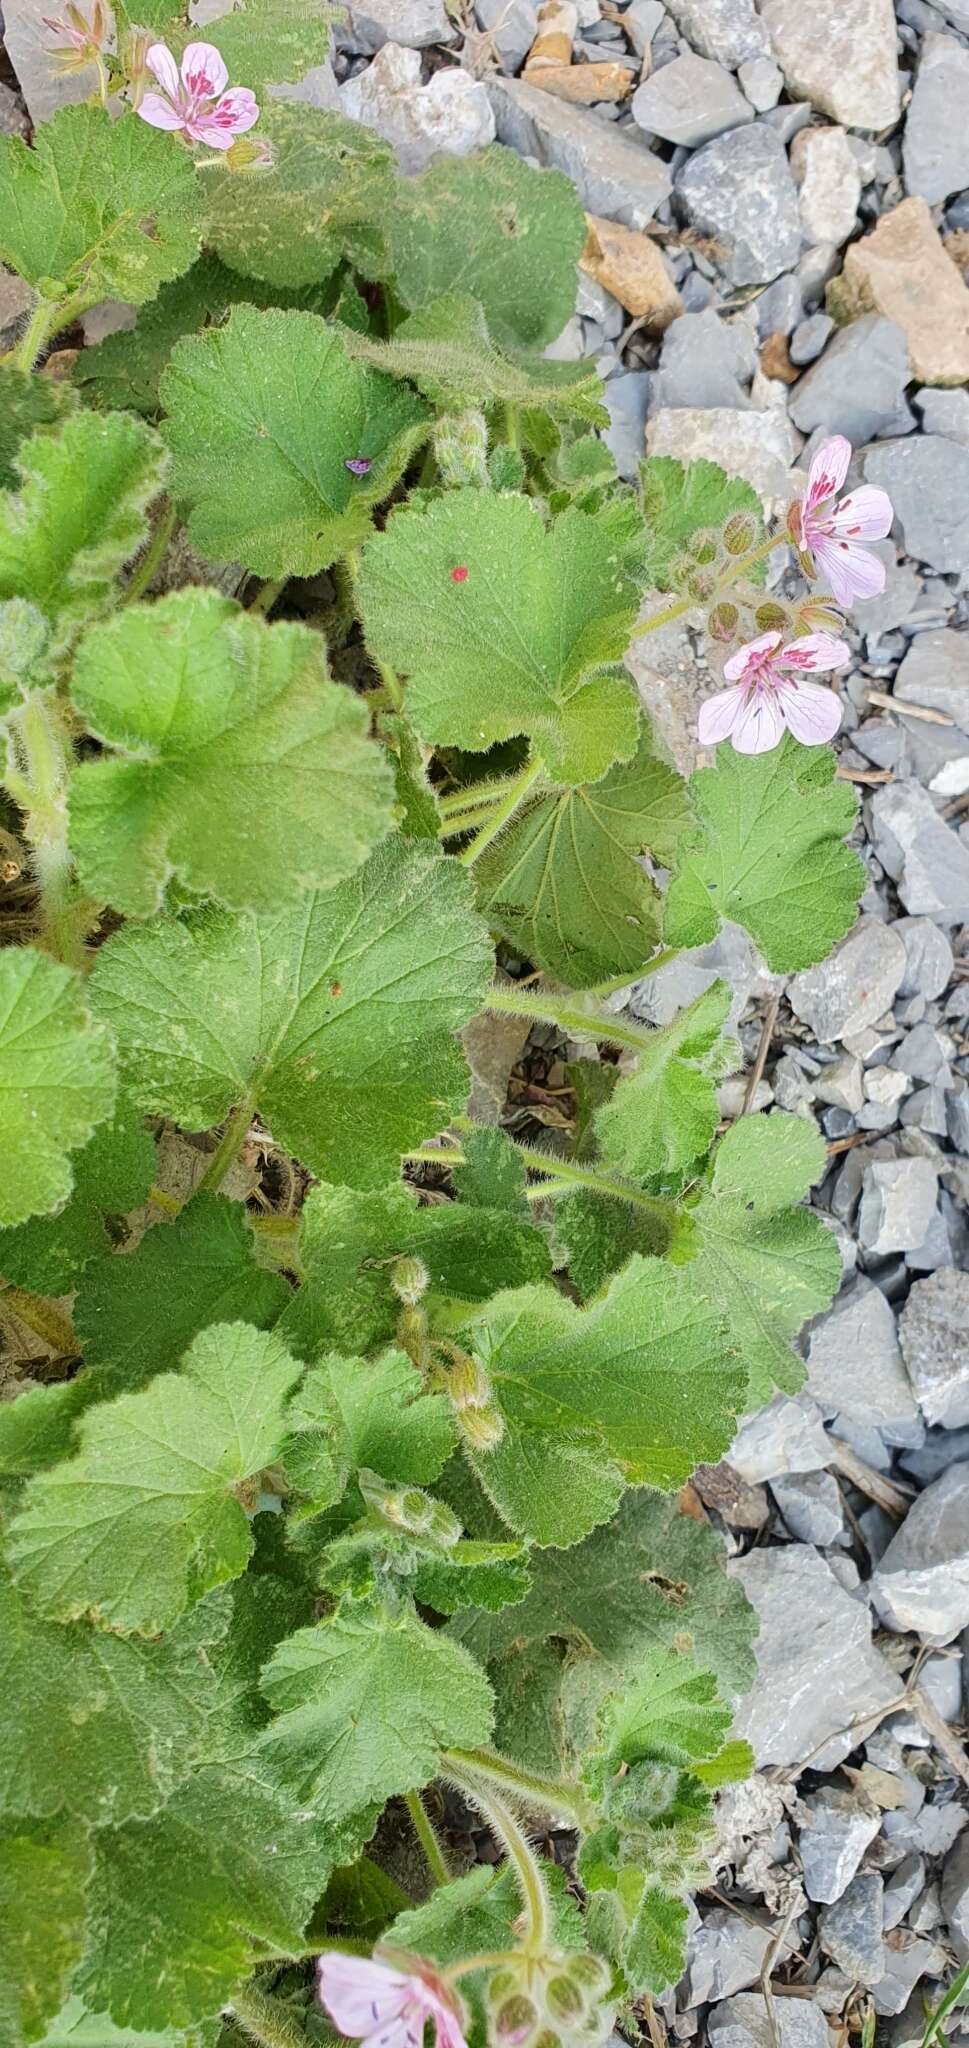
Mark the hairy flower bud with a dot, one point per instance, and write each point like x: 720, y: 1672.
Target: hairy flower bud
x: 587, y: 1970
x: 481, y: 1428
x: 703, y: 546
x: 134, y: 59
x: 515, y: 2020
x: 701, y: 584
x: 739, y: 533
x: 771, y: 618
x: 249, y: 153
x: 724, y: 621
x: 461, y: 450
x: 564, y: 1999
x: 409, y: 1279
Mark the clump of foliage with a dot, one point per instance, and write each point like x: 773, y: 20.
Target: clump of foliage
x: 314, y: 1503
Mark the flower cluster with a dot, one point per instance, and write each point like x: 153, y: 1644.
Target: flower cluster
x: 767, y: 688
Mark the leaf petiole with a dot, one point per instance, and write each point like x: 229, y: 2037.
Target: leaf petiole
x: 227, y: 1150
x: 517, y: 790
x: 264, y: 2020
x: 144, y: 572
x: 424, y: 1830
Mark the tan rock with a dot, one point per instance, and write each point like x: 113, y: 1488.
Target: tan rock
x: 840, y: 55
x: 903, y: 271
x: 584, y: 84
x: 557, y: 23
x: 775, y: 359
x: 631, y: 266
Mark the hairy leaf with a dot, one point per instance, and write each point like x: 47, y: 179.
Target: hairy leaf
x: 661, y: 1118
x: 328, y: 195
x: 264, y: 415
x: 37, y: 1429
x: 768, y: 1264
x: 366, y: 1703
x: 27, y: 404
x: 680, y: 502
x: 471, y: 1574
x: 520, y: 644
x: 562, y: 881
x: 269, y: 41
x: 48, y: 1254
x: 239, y: 767
x: 75, y: 2027
x: 768, y: 853
x: 491, y: 226
x: 98, y: 208
x: 144, y: 1520
x: 43, y: 1874
x: 446, y: 350
x: 334, y: 1017
x: 351, y: 1412
x: 57, y: 1080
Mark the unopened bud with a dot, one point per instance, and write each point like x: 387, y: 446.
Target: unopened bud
x: 723, y: 621
x: 564, y: 1999
x: 461, y: 450
x: 468, y: 1383
x: 134, y: 58
x: 770, y: 618
x: 409, y: 1279
x: 249, y: 153
x: 703, y: 546
x: 481, y: 1428
x: 444, y: 1526
x: 818, y: 615
x: 701, y: 584
x: 515, y: 2020
x: 739, y: 533
x: 588, y: 1970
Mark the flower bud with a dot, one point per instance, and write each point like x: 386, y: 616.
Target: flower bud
x: 724, y: 621
x: 588, y: 1970
x: 515, y: 2020
x: 249, y: 153
x: 500, y: 1985
x: 444, y: 1525
x: 481, y: 1428
x: 134, y: 58
x: 461, y: 450
x: 564, y: 1999
x: 739, y: 533
x: 409, y: 1279
x: 703, y: 546
x: 701, y: 584
x: 818, y: 615
x: 770, y: 617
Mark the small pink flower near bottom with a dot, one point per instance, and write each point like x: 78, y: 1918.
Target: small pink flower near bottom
x: 769, y: 693
x: 193, y: 101
x: 388, y: 2007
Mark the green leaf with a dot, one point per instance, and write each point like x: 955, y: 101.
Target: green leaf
x: 184, y: 1903
x: 335, y: 1018
x: 520, y: 644
x: 348, y: 1243
x: 493, y: 1174
x: 600, y: 1237
x: 201, y: 1265
x: 446, y: 350
x: 562, y: 881
x: 74, y: 2027
x: 637, y: 1389
x: 471, y: 1574
x: 768, y: 853
x: 106, y: 209
x: 79, y: 516
x: 264, y: 414
x: 769, y: 1265
x: 269, y: 42
x: 528, y: 1720
x: 24, y: 641
x: 43, y: 1874
x: 145, y: 1520
x: 27, y: 404
x: 491, y: 226
x: 366, y: 1703
x: 113, y: 1174
x: 327, y: 196
x: 98, y: 1727
x: 669, y: 1711
x: 57, y: 1080
x: 240, y: 768
x: 653, y: 1578
x: 478, y: 1912
x: 680, y: 502
x: 661, y: 1118
x: 351, y: 1412
x: 37, y: 1428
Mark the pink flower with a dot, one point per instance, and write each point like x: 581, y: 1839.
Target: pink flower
x: 387, y: 2007
x: 194, y: 103
x: 768, y: 693
x: 83, y: 39
x: 829, y: 535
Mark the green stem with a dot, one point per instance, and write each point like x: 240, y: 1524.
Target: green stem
x: 511, y: 425
x: 579, y: 1023
x: 492, y: 1959
x: 145, y: 570
x: 609, y: 988
x: 531, y: 1788
x: 666, y: 617
x: 437, y: 1155
x: 600, y: 1183
x: 475, y: 793
x: 520, y: 1855
x: 266, y: 597
x: 517, y: 790
x: 731, y: 575
x: 47, y: 316
x: 41, y: 780
x: 423, y: 1829
x: 227, y: 1150
x: 265, y: 2021
x: 463, y: 821
x: 392, y: 685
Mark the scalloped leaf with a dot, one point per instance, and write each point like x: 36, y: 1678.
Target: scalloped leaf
x: 659, y: 1120
x: 681, y: 500
x: 768, y: 852
x: 446, y: 350
x: 238, y: 767
x: 27, y: 404
x: 350, y: 1413
x: 490, y: 225
x: 520, y: 644
x: 263, y: 415
x: 57, y: 1080
x: 101, y: 208
x: 335, y: 1017
x: 48, y: 1254
x: 44, y: 1872
x: 327, y: 196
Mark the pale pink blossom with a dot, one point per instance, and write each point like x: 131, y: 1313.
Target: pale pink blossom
x: 769, y: 692
x: 388, y: 2007
x: 193, y: 102
x: 829, y: 532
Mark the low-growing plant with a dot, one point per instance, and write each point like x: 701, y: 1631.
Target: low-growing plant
x: 329, y: 1485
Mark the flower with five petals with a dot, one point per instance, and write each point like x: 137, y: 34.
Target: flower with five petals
x: 829, y: 532
x: 387, y: 2004
x: 193, y: 101
x: 769, y: 692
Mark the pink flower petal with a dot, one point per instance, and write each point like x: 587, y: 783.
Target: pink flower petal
x: 235, y: 111
x: 739, y: 663
x: 810, y: 712
x: 760, y: 725
x: 865, y: 514
x: 162, y: 65
x: 361, y: 1995
x: 159, y: 113
x: 850, y: 570
x: 204, y: 128
x: 828, y: 471
x: 405, y: 2032
x: 718, y: 716
x: 814, y: 651
x: 203, y: 73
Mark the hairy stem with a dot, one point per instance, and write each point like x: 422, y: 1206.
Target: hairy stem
x: 580, y: 1023
x: 475, y: 793
x: 40, y: 782
x: 227, y: 1150
x: 145, y: 570
x: 47, y: 316
x: 265, y: 2021
x: 529, y: 1788
x: 519, y: 1852
x: 732, y: 575
x: 266, y: 597
x: 608, y: 1184
x: 424, y: 1830
x: 517, y: 791
x: 464, y: 821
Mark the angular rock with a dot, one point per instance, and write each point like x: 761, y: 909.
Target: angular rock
x: 758, y: 446
x: 955, y: 1898
x: 857, y: 386
x: 739, y: 190
x: 817, y: 1668
x: 935, y: 672
x: 762, y: 82
x: 922, y: 1581
x: 745, y: 2022
x: 945, y: 412
x: 631, y: 266
x: 940, y: 1678
x: 812, y: 1508
x: 16, y: 300
x: 724, y: 1955
x: 827, y: 173
x: 835, y: 1832
x: 934, y: 1335
x: 640, y: 23
x: 935, y: 148
x: 809, y: 338
x: 854, y: 986
x: 512, y: 26
x: 906, y: 1881
x: 690, y: 101
x: 903, y: 271
x: 786, y: 1436
x: 615, y: 175
x: 840, y: 1084
x: 907, y: 1959
x: 728, y: 30
x: 701, y: 364
x: 928, y: 954
x: 626, y: 399
x: 842, y: 59
x: 414, y: 24
x: 14, y: 120
x: 451, y: 114
x: 927, y: 860
x: 850, y: 1930
x: 780, y: 307
x: 897, y: 1204
x: 855, y: 1365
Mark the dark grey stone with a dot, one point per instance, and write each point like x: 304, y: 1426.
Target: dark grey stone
x: 739, y: 190
x: 615, y: 174
x: 850, y: 1930
x: 690, y: 101
x: 857, y: 385
x: 927, y: 479
x: 935, y: 150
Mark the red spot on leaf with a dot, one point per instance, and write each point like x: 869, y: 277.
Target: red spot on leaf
x: 459, y: 575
